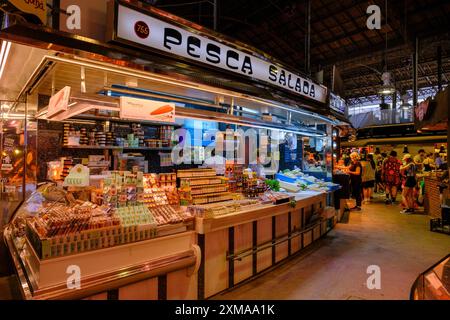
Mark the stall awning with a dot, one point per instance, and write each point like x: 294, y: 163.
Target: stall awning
x: 432, y: 114
x: 164, y: 64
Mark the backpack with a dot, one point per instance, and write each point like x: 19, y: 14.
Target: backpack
x: 392, y: 171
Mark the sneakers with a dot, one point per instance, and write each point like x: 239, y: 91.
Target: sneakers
x: 355, y: 209
x: 388, y: 201
x: 407, y: 211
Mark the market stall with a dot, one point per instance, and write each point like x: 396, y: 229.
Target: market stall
x: 156, y: 182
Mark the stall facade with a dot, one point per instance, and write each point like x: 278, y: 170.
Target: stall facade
x: 123, y: 123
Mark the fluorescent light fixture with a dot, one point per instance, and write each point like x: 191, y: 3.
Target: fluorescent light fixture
x: 299, y: 131
x: 166, y: 80
x: 4, y: 52
x: 385, y: 91
x: 387, y: 88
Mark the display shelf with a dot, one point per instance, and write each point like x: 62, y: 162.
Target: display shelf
x: 206, y: 184
x: 210, y: 176
x: 208, y: 193
x: 118, y: 148
x: 116, y: 119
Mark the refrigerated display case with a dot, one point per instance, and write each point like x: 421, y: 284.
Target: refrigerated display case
x: 433, y: 284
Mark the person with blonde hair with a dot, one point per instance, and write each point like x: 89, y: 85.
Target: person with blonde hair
x: 368, y: 177
x: 355, y: 171
x: 409, y: 170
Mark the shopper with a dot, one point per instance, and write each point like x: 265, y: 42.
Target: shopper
x: 368, y: 177
x: 439, y: 162
x: 419, y: 158
x: 346, y: 158
x: 355, y: 172
x: 391, y: 177
x: 409, y: 170
x: 428, y: 163
x: 379, y: 186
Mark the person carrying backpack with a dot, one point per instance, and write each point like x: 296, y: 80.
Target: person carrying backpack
x: 391, y: 176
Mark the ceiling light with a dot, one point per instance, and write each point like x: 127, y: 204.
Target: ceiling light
x: 405, y: 104
x: 386, y: 91
x: 6, y: 47
x: 387, y: 88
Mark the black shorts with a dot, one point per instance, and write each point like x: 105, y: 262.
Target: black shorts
x: 368, y: 184
x: 378, y: 177
x: 410, y: 182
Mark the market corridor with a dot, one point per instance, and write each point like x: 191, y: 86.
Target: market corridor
x: 335, y: 267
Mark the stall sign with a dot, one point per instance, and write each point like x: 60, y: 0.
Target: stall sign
x: 149, y: 110
x: 59, y: 102
x: 36, y: 8
x: 137, y: 28
x: 78, y: 177
x: 422, y: 109
x: 337, y: 104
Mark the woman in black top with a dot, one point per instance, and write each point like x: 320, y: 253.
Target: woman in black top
x: 355, y: 172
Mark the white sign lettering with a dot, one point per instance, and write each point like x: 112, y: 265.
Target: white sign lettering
x: 139, y: 28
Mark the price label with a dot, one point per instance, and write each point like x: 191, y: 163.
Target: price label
x: 78, y: 177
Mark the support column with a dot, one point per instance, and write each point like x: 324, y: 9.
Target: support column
x: 439, y: 67
x: 215, y: 7
x: 308, y: 37
x: 415, y: 70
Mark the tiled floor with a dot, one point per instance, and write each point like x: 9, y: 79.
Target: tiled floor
x: 9, y: 289
x: 336, y: 267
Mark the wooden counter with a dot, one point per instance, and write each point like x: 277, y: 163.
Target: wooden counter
x: 160, y: 268
x: 237, y: 247
x: 432, y: 201
x: 259, y: 213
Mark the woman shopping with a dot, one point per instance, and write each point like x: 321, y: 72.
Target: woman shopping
x: 355, y: 172
x: 409, y: 170
x: 368, y: 177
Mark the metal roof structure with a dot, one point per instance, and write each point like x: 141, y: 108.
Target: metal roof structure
x: 339, y: 36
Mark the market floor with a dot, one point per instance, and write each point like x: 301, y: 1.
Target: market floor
x: 336, y: 267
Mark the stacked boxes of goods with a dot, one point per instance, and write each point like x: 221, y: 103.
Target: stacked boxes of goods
x: 165, y: 134
x: 66, y: 134
x: 234, y: 173
x: 68, y: 164
x: 168, y: 183
x: 252, y: 186
x: 122, y: 189
x: 84, y: 140
x: 85, y: 227
x: 110, y: 138
x: 138, y: 133
x: 161, y: 197
x: 201, y: 186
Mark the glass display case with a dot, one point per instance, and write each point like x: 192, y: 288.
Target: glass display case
x: 433, y: 284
